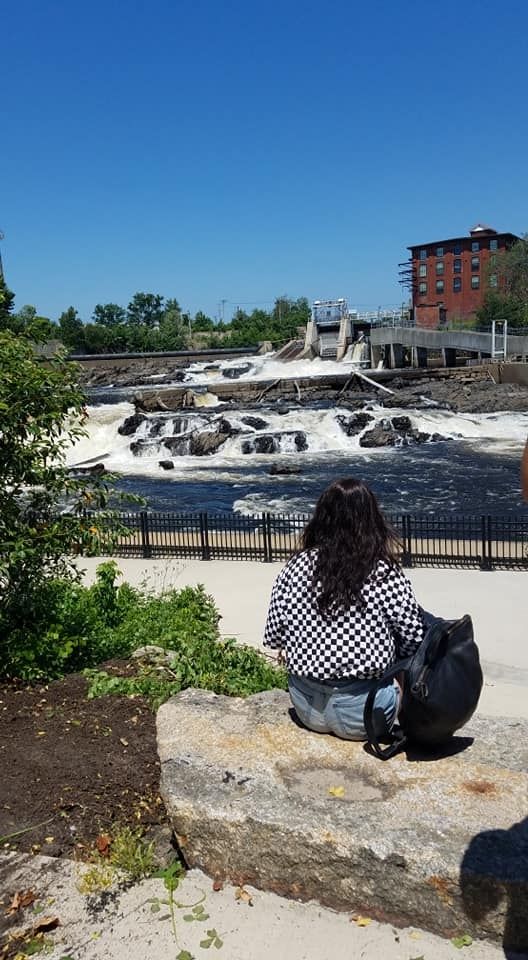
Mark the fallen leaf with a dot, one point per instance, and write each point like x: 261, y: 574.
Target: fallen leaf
x: 242, y: 894
x: 21, y: 899
x: 46, y: 923
x: 41, y: 733
x: 360, y: 921
x: 464, y: 941
x: 336, y: 791
x: 415, y: 935
x: 217, y: 885
x: 103, y: 843
x: 123, y: 741
x: 49, y: 839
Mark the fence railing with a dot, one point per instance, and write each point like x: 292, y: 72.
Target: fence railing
x: 487, y: 542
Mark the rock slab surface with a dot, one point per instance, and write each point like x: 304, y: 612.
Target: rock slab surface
x: 438, y: 842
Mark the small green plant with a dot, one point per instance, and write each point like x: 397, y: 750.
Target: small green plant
x: 99, y: 876
x: 130, y: 854
x: 120, y: 856
x: 212, y: 940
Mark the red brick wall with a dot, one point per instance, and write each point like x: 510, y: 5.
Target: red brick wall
x: 460, y: 304
x: 427, y: 317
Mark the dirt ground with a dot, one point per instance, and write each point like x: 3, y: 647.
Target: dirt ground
x: 72, y: 767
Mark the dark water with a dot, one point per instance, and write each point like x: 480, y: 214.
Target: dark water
x: 454, y: 477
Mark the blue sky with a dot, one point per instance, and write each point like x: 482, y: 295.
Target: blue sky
x: 241, y: 150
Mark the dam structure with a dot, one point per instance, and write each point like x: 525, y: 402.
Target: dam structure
x: 387, y: 340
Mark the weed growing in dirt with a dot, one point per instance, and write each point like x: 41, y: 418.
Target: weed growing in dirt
x: 122, y: 856
x: 130, y: 854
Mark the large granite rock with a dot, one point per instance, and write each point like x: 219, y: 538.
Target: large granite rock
x: 440, y: 842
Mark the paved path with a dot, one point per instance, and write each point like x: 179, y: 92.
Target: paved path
x: 497, y: 602
x: 123, y: 926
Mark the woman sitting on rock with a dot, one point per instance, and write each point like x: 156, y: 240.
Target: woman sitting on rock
x: 342, y: 611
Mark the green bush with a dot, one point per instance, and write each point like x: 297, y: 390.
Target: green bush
x: 80, y: 627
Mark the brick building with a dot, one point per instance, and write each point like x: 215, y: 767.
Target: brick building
x: 448, y: 279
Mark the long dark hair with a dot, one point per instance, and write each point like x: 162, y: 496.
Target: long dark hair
x: 350, y: 535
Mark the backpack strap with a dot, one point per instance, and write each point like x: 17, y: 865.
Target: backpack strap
x: 398, y: 738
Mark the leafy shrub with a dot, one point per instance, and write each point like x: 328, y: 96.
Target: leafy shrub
x: 80, y: 627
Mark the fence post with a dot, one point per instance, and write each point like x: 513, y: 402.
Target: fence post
x: 145, y: 540
x: 485, y: 563
x: 268, y: 553
x: 204, y: 537
x: 406, y: 538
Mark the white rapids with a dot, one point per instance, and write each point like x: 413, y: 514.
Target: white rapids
x: 321, y: 429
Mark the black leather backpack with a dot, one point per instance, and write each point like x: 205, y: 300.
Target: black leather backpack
x: 442, y: 682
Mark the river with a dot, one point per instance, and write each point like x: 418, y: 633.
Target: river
x: 474, y: 470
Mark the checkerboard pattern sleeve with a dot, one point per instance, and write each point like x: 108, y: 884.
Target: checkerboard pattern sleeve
x: 361, y: 641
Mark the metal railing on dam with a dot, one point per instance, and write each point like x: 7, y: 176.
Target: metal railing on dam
x: 470, y: 341
x: 486, y: 542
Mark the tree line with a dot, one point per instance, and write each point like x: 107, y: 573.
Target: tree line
x: 508, y: 298
x: 152, y: 322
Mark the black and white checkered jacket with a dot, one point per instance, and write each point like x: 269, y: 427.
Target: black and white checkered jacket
x: 362, y: 641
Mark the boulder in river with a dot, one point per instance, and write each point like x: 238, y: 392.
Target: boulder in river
x: 256, y: 422
x: 166, y: 464
x: 130, y: 425
x: 233, y: 373
x: 378, y: 437
x: 207, y: 442
x: 271, y: 442
x: 354, y: 424
x: 402, y: 424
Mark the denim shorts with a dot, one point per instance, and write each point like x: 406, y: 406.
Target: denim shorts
x: 337, y: 706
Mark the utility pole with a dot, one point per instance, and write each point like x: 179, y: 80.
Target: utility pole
x: 223, y: 303
x: 1, y: 266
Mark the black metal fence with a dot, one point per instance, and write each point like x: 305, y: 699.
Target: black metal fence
x: 486, y: 542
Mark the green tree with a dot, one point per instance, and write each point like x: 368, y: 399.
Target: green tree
x: 41, y: 411
x: 109, y: 314
x: 512, y: 270
x: 202, y: 322
x: 26, y: 321
x: 7, y: 299
x: 507, y: 294
x: 172, y: 306
x: 96, y: 337
x: 145, y: 309
x: 173, y: 334
x: 71, y: 329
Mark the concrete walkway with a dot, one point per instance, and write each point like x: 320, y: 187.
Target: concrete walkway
x: 496, y: 602
x: 122, y: 926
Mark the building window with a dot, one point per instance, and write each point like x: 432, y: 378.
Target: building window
x: 457, y: 249
x: 475, y: 264
x: 457, y: 284
x: 457, y: 265
x: 494, y: 244
x: 475, y: 246
x: 423, y: 270
x: 439, y: 251
x: 493, y: 281
x: 439, y: 286
x: 423, y: 254
x: 475, y: 283
x: 422, y: 289
x: 439, y: 267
